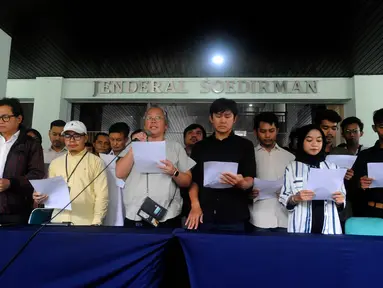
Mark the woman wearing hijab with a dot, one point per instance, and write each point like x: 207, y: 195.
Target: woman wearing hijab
x: 305, y: 214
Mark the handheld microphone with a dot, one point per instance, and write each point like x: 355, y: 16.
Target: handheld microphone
x: 18, y: 253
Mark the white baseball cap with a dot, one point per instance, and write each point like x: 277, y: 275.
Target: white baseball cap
x: 75, y: 126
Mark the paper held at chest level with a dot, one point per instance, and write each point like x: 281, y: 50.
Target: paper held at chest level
x: 267, y: 189
x: 375, y: 171
x: 342, y: 161
x: 212, y: 173
x: 325, y: 182
x: 57, y: 190
x: 148, y: 156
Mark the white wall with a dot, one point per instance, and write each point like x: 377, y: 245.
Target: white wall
x: 369, y: 98
x: 5, y: 51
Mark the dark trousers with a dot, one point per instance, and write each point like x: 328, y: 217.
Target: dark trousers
x: 13, y: 219
x: 171, y: 223
x: 277, y: 229
x: 223, y: 227
x: 373, y: 212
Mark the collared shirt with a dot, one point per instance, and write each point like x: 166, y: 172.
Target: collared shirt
x: 224, y: 205
x: 300, y: 216
x: 122, y: 153
x: 51, y: 154
x: 159, y: 187
x: 5, y: 146
x: 91, y: 206
x: 342, y: 150
x: 269, y: 213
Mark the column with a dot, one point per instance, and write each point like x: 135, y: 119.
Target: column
x: 5, y: 51
x: 368, y: 98
x: 49, y: 105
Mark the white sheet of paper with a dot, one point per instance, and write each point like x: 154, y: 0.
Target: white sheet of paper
x: 267, y: 189
x: 107, y: 159
x: 148, y: 156
x: 212, y: 171
x: 112, y: 168
x: 342, y: 161
x: 325, y: 182
x: 375, y: 171
x: 57, y: 190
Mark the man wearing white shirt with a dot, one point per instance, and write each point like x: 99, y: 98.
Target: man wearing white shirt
x: 119, y: 137
x: 57, y: 142
x: 271, y: 161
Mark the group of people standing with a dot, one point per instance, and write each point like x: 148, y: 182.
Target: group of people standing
x: 179, y: 193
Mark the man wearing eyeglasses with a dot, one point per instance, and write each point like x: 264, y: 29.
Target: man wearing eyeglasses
x: 79, y: 168
x: 21, y: 160
x: 352, y: 130
x: 143, y: 191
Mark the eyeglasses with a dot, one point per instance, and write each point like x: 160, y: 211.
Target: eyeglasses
x: 75, y: 137
x: 155, y: 118
x: 354, y: 131
x: 6, y: 118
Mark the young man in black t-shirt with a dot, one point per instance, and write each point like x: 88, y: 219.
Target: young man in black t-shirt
x: 217, y: 208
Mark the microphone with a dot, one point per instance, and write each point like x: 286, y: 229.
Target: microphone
x: 18, y: 253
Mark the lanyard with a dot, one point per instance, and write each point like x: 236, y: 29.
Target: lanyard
x: 66, y: 166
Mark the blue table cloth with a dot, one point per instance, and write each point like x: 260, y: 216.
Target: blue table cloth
x: 280, y: 260
x: 83, y: 256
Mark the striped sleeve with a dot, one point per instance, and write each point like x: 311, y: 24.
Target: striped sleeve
x: 287, y: 188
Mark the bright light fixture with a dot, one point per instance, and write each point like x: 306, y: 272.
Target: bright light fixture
x: 218, y: 60
x: 250, y: 105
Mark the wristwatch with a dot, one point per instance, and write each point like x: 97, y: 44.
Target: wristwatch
x: 176, y: 173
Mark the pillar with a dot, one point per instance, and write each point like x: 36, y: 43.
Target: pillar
x: 368, y: 98
x: 49, y: 105
x: 5, y: 51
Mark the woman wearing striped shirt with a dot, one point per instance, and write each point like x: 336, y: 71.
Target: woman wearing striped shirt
x: 305, y: 214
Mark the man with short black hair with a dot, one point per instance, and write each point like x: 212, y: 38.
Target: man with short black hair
x: 216, y: 208
x: 267, y: 214
x: 193, y: 134
x: 352, y: 130
x: 57, y: 142
x: 119, y: 137
x: 21, y: 160
x: 101, y: 143
x: 328, y: 121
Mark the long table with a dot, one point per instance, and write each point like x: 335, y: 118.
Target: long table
x: 83, y: 257
x: 282, y: 260
x: 120, y: 257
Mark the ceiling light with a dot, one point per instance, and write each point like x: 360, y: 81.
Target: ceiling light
x: 218, y: 60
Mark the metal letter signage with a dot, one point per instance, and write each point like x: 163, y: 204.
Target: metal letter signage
x: 256, y: 87
x: 206, y: 86
x: 128, y: 87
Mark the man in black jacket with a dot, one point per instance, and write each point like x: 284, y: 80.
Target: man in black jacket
x: 21, y: 160
x: 366, y: 201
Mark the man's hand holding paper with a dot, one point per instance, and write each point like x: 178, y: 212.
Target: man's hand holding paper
x: 267, y: 189
x: 148, y: 156
x: 375, y: 175
x: 220, y: 175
